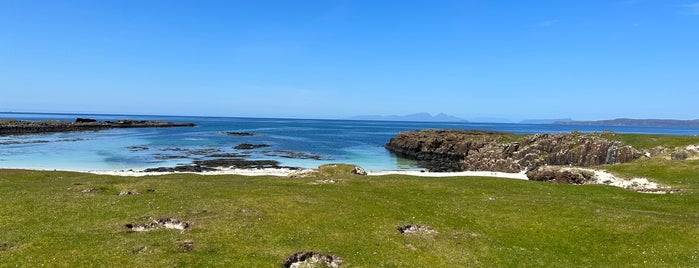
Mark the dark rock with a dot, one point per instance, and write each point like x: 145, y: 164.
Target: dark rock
x: 228, y: 155
x: 459, y: 150
x: 182, y: 168
x: 165, y: 157
x: 359, y: 171
x: 656, y: 151
x: 17, y: 127
x: 561, y: 175
x: 23, y: 142
x: 680, y: 154
x: 248, y: 146
x: 137, y: 148
x: 239, y: 134
x: 237, y: 163
x: 85, y: 120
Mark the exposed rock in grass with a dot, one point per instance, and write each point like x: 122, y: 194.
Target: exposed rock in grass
x: 248, y: 146
x: 185, y: 246
x: 166, y: 223
x: 359, y: 171
x: 129, y: 192
x: 680, y: 154
x: 172, y: 223
x: 572, y: 175
x: 139, y: 249
x: 415, y: 229
x: 142, y: 227
x: 309, y: 259
x: 656, y: 151
x: 693, y: 148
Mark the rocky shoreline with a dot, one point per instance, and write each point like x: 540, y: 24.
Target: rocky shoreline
x: 473, y: 150
x: 19, y: 127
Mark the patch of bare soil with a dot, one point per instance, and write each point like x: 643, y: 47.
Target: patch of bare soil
x: 91, y: 190
x: 309, y: 259
x: 326, y: 181
x: 6, y: 246
x: 129, y: 192
x: 140, y: 249
x: 415, y: 229
x: 185, y: 245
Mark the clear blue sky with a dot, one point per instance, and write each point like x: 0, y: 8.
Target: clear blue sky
x: 325, y: 59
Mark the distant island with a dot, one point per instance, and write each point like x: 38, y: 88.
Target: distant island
x: 19, y: 127
x: 544, y: 121
x: 626, y: 122
x: 418, y: 117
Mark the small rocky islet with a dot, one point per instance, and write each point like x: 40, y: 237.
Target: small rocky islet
x: 22, y: 127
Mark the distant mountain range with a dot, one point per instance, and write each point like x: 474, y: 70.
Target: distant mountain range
x: 626, y: 122
x: 419, y: 117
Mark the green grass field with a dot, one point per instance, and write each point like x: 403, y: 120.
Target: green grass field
x: 47, y: 219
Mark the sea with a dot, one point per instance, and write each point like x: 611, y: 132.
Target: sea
x: 304, y: 143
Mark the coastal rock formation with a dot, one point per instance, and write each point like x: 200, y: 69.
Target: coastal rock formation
x: 461, y: 150
x: 249, y: 146
x: 560, y: 175
x: 239, y: 134
x: 18, y: 127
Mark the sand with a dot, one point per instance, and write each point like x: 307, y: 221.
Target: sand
x: 643, y: 185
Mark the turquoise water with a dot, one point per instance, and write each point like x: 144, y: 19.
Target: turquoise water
x: 333, y: 141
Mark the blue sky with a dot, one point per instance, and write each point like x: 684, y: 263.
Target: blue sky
x: 332, y: 59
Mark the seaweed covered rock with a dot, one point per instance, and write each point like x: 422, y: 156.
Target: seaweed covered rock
x: 459, y: 150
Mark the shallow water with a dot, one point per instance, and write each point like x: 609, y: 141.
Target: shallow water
x: 333, y: 141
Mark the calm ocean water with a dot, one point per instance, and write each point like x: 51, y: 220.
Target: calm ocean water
x: 332, y: 141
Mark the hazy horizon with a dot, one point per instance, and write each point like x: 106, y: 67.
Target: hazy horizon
x: 590, y: 60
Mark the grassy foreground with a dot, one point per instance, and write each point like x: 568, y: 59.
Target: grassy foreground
x: 237, y: 221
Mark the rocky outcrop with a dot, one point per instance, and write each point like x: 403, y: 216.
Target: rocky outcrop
x: 560, y: 175
x: 461, y: 150
x: 17, y: 127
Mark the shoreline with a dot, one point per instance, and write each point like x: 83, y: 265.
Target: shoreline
x: 602, y: 177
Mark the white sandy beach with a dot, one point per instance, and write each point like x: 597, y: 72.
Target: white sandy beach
x: 643, y: 185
